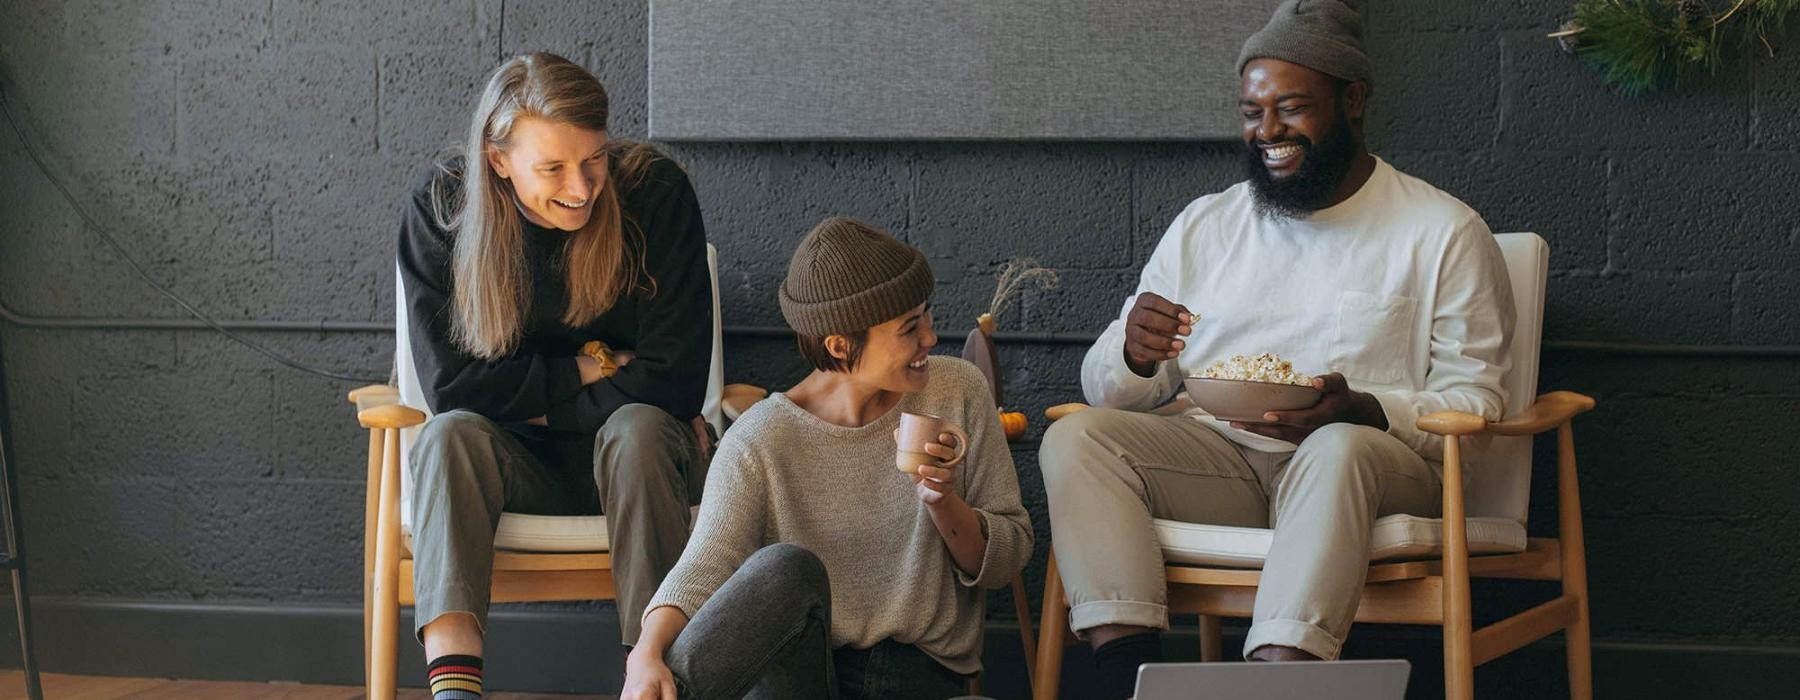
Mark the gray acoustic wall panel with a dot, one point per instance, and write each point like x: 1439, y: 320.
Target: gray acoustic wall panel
x: 946, y: 69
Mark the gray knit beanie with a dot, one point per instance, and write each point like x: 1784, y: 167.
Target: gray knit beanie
x: 848, y: 276
x: 1324, y: 35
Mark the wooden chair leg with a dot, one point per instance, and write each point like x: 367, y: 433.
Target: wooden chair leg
x: 1027, y: 638
x: 1574, y: 566
x: 1212, y: 642
x: 371, y: 511
x: 1459, y: 662
x: 1053, y: 627
x: 385, y: 637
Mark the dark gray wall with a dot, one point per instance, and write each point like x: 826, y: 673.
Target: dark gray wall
x: 253, y: 156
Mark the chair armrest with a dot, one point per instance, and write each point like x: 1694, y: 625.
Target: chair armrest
x: 359, y: 394
x: 735, y: 399
x: 375, y: 396
x: 1452, y: 423
x: 390, y: 416
x: 1549, y: 411
x: 1180, y: 405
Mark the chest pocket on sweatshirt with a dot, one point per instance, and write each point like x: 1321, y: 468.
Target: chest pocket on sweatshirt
x: 1374, y: 333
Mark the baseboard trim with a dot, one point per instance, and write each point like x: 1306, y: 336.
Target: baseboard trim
x: 532, y: 648
x: 576, y: 650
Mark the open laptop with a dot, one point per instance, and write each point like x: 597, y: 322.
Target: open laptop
x: 1294, y: 680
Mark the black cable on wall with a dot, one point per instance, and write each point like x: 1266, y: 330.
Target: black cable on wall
x: 113, y: 243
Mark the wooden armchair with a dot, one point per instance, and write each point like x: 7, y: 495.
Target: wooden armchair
x: 1214, y: 574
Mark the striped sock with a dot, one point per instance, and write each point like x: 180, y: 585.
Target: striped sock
x: 455, y: 677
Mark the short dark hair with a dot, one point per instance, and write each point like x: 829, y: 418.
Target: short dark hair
x: 820, y: 358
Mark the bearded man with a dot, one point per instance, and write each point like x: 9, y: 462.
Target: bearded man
x: 1393, y: 292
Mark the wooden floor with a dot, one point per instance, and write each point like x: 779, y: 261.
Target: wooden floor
x: 61, y: 687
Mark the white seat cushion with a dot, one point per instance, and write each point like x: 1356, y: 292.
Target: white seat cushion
x: 520, y: 532
x: 1395, y: 537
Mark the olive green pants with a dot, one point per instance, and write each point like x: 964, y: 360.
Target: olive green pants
x: 466, y: 469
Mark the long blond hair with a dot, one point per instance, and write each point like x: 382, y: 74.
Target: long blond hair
x: 489, y: 271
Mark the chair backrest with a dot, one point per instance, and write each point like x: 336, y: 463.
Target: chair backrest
x: 1498, y: 476
x: 413, y: 394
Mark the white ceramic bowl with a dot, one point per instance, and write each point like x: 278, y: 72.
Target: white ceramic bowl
x: 1246, y: 402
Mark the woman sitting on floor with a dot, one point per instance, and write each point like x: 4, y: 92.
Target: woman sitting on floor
x: 818, y: 569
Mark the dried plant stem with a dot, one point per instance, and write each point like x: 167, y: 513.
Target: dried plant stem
x: 1014, y: 276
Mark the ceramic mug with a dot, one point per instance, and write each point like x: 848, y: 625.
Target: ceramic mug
x: 916, y: 431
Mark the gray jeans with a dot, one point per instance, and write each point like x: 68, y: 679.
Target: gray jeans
x: 467, y: 469
x: 767, y: 634
x: 1108, y: 473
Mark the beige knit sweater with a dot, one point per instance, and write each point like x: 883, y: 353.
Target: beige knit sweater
x: 784, y: 475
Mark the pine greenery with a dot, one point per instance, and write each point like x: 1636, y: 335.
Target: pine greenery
x: 1642, y: 46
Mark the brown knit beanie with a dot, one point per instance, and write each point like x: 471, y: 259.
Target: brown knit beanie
x: 848, y: 276
x: 1324, y: 35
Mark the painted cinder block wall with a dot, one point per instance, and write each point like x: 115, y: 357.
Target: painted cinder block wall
x: 253, y: 155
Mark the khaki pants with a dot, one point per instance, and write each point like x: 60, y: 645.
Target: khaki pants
x: 1108, y: 473
x: 466, y: 469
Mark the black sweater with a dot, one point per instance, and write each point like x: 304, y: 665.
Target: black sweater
x: 669, y: 328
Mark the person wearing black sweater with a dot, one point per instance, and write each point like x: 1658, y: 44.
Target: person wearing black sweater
x: 542, y: 237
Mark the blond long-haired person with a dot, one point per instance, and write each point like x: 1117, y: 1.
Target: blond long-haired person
x: 541, y: 236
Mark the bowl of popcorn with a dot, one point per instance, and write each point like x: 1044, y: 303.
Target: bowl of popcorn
x: 1245, y: 387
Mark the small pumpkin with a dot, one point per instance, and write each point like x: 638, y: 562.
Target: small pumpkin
x: 1013, y: 423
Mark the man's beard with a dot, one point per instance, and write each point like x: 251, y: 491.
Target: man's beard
x: 1322, y: 168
